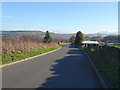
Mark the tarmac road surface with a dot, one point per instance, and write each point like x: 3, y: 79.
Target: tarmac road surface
x: 67, y: 67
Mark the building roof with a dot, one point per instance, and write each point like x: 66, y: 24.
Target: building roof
x: 90, y: 42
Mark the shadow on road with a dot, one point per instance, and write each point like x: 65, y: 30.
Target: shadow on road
x: 72, y: 71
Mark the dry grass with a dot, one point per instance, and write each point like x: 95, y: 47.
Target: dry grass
x: 26, y: 43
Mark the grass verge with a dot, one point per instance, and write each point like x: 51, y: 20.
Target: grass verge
x: 12, y: 57
x: 108, y: 69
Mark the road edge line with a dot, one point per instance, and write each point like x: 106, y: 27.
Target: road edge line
x: 102, y: 82
x: 22, y: 60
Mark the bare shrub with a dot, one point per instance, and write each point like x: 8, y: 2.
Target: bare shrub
x: 23, y: 44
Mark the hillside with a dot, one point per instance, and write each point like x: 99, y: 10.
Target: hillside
x: 19, y: 33
x: 34, y: 33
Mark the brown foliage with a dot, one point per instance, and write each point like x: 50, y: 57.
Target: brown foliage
x: 72, y: 39
x: 25, y: 43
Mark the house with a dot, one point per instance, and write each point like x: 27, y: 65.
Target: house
x: 89, y: 43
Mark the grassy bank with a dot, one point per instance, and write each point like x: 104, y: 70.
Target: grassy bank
x: 117, y: 46
x: 107, y: 65
x: 11, y: 57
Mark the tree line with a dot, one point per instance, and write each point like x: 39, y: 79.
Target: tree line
x: 80, y: 37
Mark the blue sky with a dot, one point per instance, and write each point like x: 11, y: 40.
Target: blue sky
x: 61, y: 17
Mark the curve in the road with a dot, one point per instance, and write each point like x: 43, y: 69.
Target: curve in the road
x: 67, y: 67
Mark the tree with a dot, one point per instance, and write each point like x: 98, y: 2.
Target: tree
x: 47, y: 38
x: 79, y: 38
x: 72, y: 39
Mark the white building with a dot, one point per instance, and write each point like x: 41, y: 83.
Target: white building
x: 89, y: 43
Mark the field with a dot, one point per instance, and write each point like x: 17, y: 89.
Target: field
x: 7, y: 58
x: 117, y: 46
x: 16, y: 49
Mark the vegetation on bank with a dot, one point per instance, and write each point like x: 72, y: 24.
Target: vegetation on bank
x: 11, y: 57
x: 17, y: 48
x: 115, y: 46
x: 106, y: 61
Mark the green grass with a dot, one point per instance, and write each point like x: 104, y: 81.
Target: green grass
x: 117, y: 46
x: 109, y: 70
x: 114, y: 46
x: 12, y: 57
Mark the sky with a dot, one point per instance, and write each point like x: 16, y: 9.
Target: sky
x: 60, y: 17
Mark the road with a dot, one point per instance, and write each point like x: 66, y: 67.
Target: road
x: 67, y: 67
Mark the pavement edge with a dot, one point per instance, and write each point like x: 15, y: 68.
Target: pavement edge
x: 96, y: 72
x: 22, y: 60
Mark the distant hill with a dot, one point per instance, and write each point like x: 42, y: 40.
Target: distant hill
x: 34, y: 33
x: 19, y: 33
